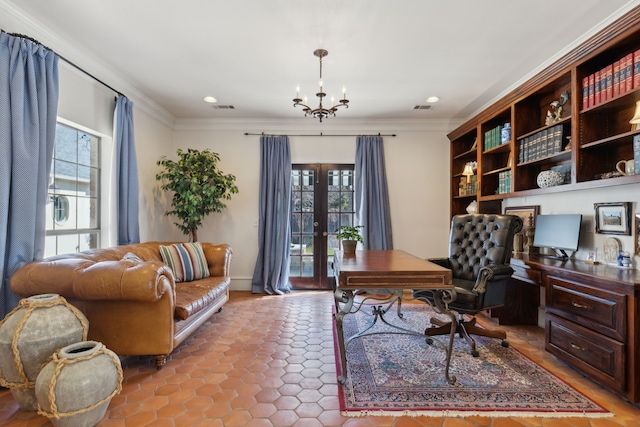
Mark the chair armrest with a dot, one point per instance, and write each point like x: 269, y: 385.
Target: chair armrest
x: 218, y: 258
x: 442, y: 262
x: 83, y: 279
x: 491, y: 273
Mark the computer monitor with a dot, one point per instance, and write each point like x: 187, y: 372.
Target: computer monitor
x: 559, y: 232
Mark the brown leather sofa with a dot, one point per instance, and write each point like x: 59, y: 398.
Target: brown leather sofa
x: 133, y: 308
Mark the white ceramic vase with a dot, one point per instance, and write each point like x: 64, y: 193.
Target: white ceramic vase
x: 29, y: 335
x: 74, y: 389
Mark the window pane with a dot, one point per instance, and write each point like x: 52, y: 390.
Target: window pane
x: 74, y: 192
x: 66, y: 147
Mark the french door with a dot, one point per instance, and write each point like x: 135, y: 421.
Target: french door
x: 321, y: 201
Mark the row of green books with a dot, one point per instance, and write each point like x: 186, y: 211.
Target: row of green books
x: 493, y: 138
x: 504, y: 182
x: 541, y: 144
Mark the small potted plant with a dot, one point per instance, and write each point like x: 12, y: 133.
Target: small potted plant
x: 349, y: 236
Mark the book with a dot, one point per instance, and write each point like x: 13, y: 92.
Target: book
x: 543, y: 143
x: 626, y: 73
x: 616, y: 78
x: 596, y: 88
x: 592, y: 83
x: 585, y: 93
x: 608, y: 85
x: 636, y: 153
x: 636, y: 69
x: 557, y: 139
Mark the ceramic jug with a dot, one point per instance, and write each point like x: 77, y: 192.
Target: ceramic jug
x: 626, y: 167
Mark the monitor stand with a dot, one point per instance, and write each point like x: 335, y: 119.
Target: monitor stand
x: 559, y: 254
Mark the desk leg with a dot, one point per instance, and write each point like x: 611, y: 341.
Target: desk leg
x: 442, y: 298
x: 344, y: 302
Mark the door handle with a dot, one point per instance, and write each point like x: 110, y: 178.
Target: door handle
x: 325, y: 234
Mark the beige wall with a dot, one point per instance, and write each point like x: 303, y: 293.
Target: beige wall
x: 417, y: 165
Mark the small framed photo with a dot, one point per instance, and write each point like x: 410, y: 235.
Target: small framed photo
x: 613, y: 218
x: 637, y: 228
x: 524, y: 212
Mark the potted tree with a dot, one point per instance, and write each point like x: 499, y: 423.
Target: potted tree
x: 349, y: 236
x: 199, y: 187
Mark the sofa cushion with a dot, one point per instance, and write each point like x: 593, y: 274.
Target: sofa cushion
x: 197, y: 295
x: 186, y: 261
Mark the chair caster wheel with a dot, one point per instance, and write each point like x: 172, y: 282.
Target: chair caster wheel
x: 505, y: 344
x: 475, y: 353
x: 430, y: 341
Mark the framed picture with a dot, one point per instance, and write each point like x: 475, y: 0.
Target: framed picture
x: 613, y: 218
x: 637, y: 228
x: 524, y: 212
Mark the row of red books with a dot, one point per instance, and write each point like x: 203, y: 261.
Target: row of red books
x: 613, y: 80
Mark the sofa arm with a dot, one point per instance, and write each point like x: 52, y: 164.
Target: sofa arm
x: 83, y: 279
x: 218, y: 258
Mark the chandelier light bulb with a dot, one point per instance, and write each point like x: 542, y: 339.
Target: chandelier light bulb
x: 298, y: 91
x: 320, y: 82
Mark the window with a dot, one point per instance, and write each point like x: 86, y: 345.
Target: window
x: 73, y: 208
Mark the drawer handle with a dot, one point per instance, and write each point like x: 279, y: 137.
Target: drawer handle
x: 576, y: 305
x: 577, y: 347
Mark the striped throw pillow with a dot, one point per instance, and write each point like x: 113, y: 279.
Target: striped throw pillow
x: 186, y: 261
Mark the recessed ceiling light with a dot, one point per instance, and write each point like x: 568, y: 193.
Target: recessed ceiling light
x: 210, y: 99
x: 433, y: 99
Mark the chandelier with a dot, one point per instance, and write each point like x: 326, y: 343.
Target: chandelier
x: 321, y: 112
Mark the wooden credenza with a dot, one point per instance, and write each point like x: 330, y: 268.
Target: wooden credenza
x: 592, y: 318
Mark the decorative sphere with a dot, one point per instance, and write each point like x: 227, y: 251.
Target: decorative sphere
x: 549, y: 178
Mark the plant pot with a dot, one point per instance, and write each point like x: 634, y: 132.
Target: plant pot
x: 29, y: 335
x: 74, y: 389
x: 349, y: 246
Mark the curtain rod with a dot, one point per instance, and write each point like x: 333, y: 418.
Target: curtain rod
x: 320, y: 134
x: 22, y: 36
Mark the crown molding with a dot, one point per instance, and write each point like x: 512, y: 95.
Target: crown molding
x: 274, y: 126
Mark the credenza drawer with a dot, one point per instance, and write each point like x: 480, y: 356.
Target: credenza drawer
x: 597, y: 309
x: 589, y: 352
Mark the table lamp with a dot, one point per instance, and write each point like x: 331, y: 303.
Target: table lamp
x: 636, y: 117
x: 468, y: 171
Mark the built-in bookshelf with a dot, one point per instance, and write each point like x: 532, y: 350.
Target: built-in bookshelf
x: 596, y: 86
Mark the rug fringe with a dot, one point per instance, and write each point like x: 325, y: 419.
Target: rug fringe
x: 463, y: 414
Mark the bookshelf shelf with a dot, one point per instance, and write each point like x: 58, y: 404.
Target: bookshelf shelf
x: 597, y: 126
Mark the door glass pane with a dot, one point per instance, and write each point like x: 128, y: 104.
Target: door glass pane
x: 302, y: 223
x: 341, y: 208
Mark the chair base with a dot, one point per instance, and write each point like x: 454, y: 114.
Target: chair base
x: 465, y: 329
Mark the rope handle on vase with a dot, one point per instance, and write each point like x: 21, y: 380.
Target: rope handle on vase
x: 60, y: 363
x: 31, y: 306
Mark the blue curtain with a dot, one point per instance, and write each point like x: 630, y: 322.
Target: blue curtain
x: 372, y: 193
x: 28, y: 110
x: 127, y: 173
x: 271, y: 275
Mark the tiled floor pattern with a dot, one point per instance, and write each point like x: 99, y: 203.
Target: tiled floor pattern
x: 269, y: 361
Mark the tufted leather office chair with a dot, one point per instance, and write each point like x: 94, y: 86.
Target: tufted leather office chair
x: 480, y: 248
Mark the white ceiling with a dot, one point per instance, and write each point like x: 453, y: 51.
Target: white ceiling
x: 390, y: 55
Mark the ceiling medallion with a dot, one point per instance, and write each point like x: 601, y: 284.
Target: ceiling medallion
x: 321, y: 112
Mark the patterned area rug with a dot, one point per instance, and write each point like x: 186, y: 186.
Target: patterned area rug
x: 403, y: 375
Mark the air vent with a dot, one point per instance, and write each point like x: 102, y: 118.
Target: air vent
x: 223, y: 107
x: 422, y: 107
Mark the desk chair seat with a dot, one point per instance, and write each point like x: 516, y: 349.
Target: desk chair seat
x: 480, y: 247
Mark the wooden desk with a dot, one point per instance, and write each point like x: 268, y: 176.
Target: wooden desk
x: 592, y: 318
x: 389, y: 272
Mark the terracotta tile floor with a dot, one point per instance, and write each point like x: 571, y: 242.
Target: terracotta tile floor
x: 269, y: 361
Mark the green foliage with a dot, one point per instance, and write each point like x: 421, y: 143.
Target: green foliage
x: 349, y: 233
x: 199, y: 187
